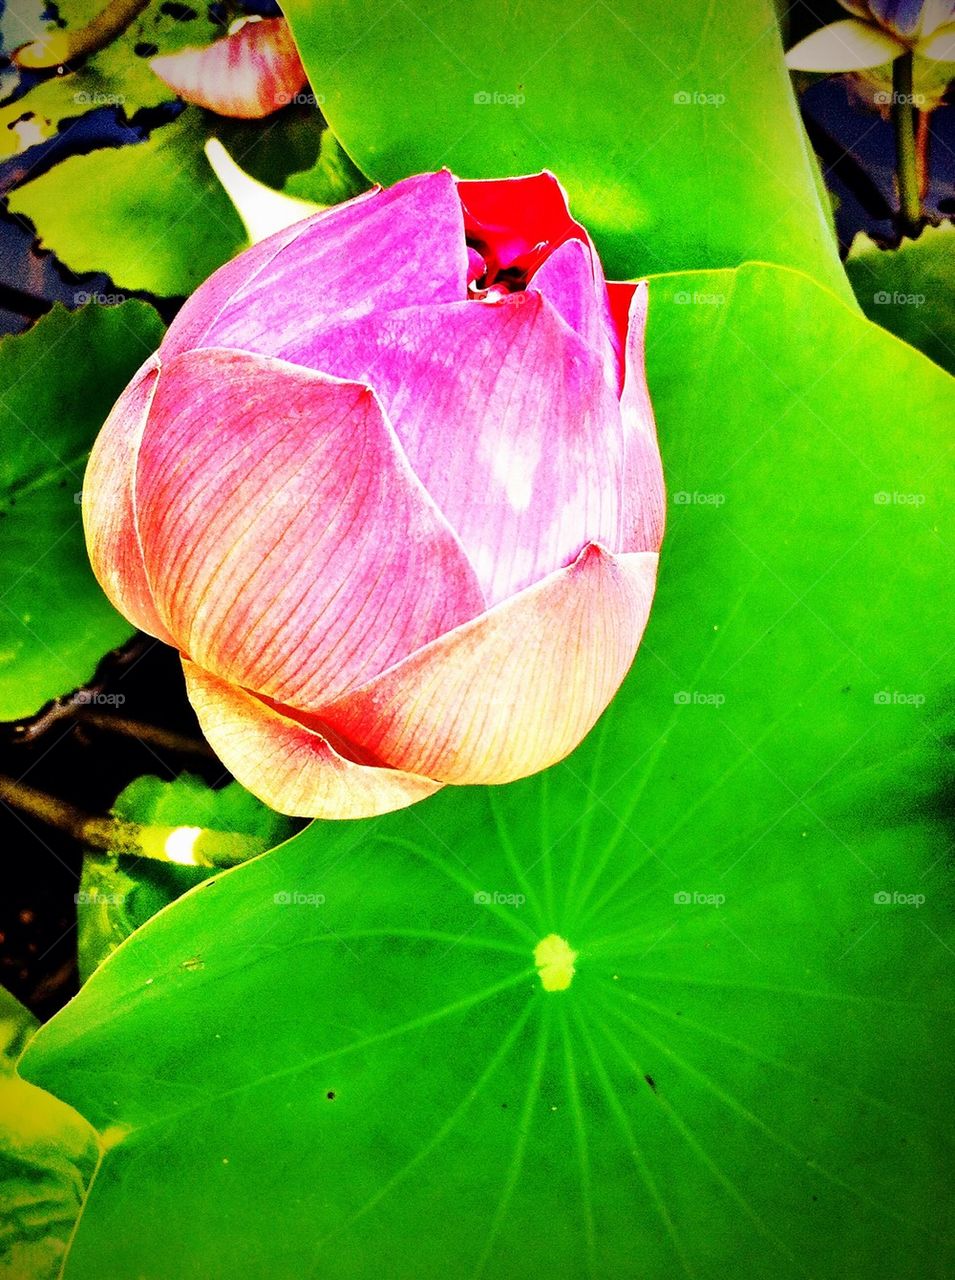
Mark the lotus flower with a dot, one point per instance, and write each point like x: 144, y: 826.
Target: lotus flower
x: 391, y: 486
x: 911, y: 21
x: 879, y: 32
x: 248, y: 73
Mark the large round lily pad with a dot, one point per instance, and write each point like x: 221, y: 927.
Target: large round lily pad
x: 372, y: 1052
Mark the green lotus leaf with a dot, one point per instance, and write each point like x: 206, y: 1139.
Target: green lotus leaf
x: 674, y: 128
x: 910, y: 290
x: 59, y: 381
x: 681, y: 1005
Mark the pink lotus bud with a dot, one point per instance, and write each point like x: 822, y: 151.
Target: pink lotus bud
x: 249, y: 73
x: 391, y: 486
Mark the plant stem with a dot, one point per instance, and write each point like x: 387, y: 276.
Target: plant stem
x: 150, y: 734
x: 923, y: 135
x: 55, y: 813
x: 906, y: 165
x: 187, y: 846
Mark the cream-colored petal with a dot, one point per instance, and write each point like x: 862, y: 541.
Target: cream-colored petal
x: 849, y: 45
x: 516, y: 689
x: 291, y: 767
x: 939, y: 46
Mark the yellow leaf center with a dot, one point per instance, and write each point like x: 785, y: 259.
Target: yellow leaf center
x: 555, y: 958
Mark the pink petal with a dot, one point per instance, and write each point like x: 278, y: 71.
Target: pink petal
x: 290, y: 767
x: 515, y: 690
x: 215, y: 295
x: 643, y: 514
x: 476, y: 264
x: 250, y: 73
x: 572, y: 280
x: 290, y: 547
x: 109, y: 518
x: 506, y: 417
x: 382, y: 250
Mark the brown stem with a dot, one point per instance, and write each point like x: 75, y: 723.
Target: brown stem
x: 923, y: 135
x: 101, y: 833
x: 903, y: 121
x: 187, y: 846
x: 147, y: 733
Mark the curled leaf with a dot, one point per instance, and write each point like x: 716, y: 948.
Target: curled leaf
x: 263, y: 211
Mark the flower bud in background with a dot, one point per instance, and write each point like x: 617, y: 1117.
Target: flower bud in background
x: 878, y: 32
x: 911, y: 21
x: 249, y: 73
x: 391, y: 486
